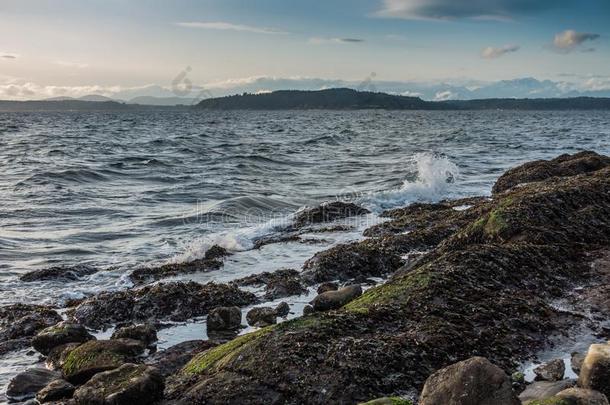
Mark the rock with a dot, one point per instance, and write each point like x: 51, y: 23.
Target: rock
x: 308, y: 310
x: 388, y: 401
x: 57, y: 357
x: 25, y: 385
x: 129, y: 384
x: 561, y: 166
x: 261, y: 316
x: 551, y: 371
x: 284, y: 287
x: 96, y: 356
x: 282, y: 310
x: 539, y: 390
x: 145, y: 333
x: 472, y: 381
x: 576, y: 362
x: 216, y: 252
x: 518, y: 381
x: 580, y: 396
x: 328, y: 286
x: 60, y: 334
x: 595, y: 369
x: 175, y: 301
x: 336, y: 299
x: 224, y: 318
x: 327, y: 212
x: 59, y: 273
x: 19, y: 321
x: 55, y: 391
x: 172, y: 359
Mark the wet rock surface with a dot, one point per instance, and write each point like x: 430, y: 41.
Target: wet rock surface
x: 485, y: 288
x: 25, y: 385
x: 261, y: 316
x: 173, y: 301
x: 55, y: 391
x: 172, y: 359
x: 551, y: 371
x: 60, y: 334
x: 224, y: 318
x: 278, y: 284
x: 327, y: 212
x: 145, y: 333
x: 19, y: 322
x: 59, y: 273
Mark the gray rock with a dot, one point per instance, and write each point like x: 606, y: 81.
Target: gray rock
x: 539, y: 390
x: 60, y: 334
x: 145, y: 333
x: 580, y: 396
x: 551, y: 371
x: 283, y: 309
x: 224, y: 318
x: 469, y: 382
x: 595, y: 370
x: 55, y: 390
x: 25, y: 385
x: 336, y: 299
x: 308, y: 309
x: 129, y: 384
x: 261, y: 316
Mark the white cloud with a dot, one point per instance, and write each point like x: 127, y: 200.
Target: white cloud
x: 321, y: 40
x: 445, y: 95
x: 68, y: 64
x: 492, y: 52
x: 570, y: 40
x: 226, y: 26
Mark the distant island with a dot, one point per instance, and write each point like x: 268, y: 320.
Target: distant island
x: 329, y: 99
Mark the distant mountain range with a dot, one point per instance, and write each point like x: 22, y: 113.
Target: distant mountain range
x: 142, y: 100
x: 329, y: 99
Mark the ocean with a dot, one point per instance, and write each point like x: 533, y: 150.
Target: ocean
x: 119, y: 190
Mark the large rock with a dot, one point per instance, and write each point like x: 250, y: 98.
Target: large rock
x: 336, y: 299
x: 472, y: 381
x: 129, y: 384
x: 55, y: 391
x: 145, y: 333
x: 539, y: 390
x: 59, y: 273
x: 19, y: 321
x: 60, y: 334
x: 224, y: 318
x: 56, y: 358
x: 96, y: 356
x: 172, y: 359
x: 173, y: 301
x: 25, y: 385
x: 580, y: 396
x: 327, y: 212
x: 595, y: 370
x: 551, y: 371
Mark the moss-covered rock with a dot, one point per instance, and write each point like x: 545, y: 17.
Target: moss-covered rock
x: 388, y: 401
x: 60, y: 334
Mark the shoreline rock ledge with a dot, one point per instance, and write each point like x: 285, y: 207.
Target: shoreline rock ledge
x: 485, y: 288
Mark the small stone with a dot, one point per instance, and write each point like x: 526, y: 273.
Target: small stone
x: 55, y: 390
x: 60, y: 334
x: 224, y: 318
x: 328, y: 286
x: 282, y: 310
x: 595, y: 370
x: 336, y: 299
x: 576, y: 361
x: 551, y: 371
x: 145, y: 333
x: 261, y: 316
x: 580, y: 396
x: 25, y: 385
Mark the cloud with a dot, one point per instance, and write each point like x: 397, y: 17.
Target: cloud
x: 225, y: 26
x: 69, y: 64
x: 570, y: 40
x: 502, y: 10
x: 6, y: 55
x: 319, y: 40
x: 491, y: 52
x: 445, y: 95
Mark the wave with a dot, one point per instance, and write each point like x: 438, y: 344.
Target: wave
x: 78, y: 176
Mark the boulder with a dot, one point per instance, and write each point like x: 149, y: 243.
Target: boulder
x: 96, y: 356
x: 261, y: 316
x: 173, y: 358
x: 282, y: 310
x: 19, y: 321
x: 327, y: 212
x: 284, y: 287
x: 129, y: 384
x: 576, y: 360
x: 308, y: 310
x: 595, y: 370
x: 539, y: 390
x: 580, y: 396
x: 145, y: 333
x: 472, y: 381
x: 60, y: 334
x: 55, y: 391
x: 57, y: 357
x: 336, y: 299
x: 26, y: 384
x: 224, y: 318
x: 59, y: 273
x: 551, y: 371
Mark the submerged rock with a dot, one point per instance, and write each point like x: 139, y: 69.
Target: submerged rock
x: 173, y: 358
x: 472, y: 381
x: 327, y: 212
x: 96, y: 356
x: 59, y: 273
x: 60, y: 334
x: 55, y: 391
x: 129, y: 384
x: 336, y: 299
x: 145, y: 333
x: 25, y: 385
x: 551, y: 371
x: 173, y: 301
x: 224, y: 318
x: 261, y: 316
x: 595, y: 370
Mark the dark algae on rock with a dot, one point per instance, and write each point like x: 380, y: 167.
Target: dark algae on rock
x: 484, y: 288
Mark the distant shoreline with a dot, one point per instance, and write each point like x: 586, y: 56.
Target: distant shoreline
x: 330, y: 99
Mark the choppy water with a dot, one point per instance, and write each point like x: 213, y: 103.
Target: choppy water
x: 122, y: 189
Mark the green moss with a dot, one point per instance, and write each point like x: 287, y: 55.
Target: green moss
x: 550, y: 401
x: 81, y: 358
x: 496, y: 222
x: 222, y: 354
x: 388, y: 401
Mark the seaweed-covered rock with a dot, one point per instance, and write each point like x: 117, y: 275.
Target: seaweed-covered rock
x: 60, y: 334
x: 144, y: 275
x: 145, y: 333
x: 472, y: 381
x: 261, y: 316
x: 96, y: 356
x: 580, y: 396
x: 26, y: 384
x: 129, y: 384
x: 595, y: 370
x: 327, y: 212
x: 278, y: 284
x: 173, y: 301
x: 55, y: 391
x: 551, y: 371
x: 56, y: 358
x: 25, y: 320
x: 224, y: 318
x: 59, y: 273
x: 173, y: 358
x: 336, y: 299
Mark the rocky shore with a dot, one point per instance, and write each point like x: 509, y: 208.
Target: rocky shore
x: 473, y: 288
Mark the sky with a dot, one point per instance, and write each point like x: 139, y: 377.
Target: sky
x: 72, y: 47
